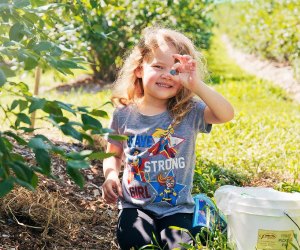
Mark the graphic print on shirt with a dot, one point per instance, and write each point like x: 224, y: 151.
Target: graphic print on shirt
x: 143, y: 164
x: 164, y: 142
x: 167, y: 189
x: 136, y: 166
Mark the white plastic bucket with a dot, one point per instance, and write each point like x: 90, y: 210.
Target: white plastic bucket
x: 260, y: 218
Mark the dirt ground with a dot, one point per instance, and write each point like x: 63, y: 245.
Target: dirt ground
x: 58, y: 215
x: 279, y: 73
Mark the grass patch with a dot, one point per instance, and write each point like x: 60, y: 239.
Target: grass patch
x: 76, y: 98
x: 264, y: 135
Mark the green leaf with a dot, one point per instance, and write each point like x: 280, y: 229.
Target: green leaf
x: 58, y: 119
x: 76, y: 176
x: 22, y: 105
x: 31, y: 43
x: 42, y: 46
x: 19, y: 171
x: 186, y: 246
x: 52, y: 108
x: 30, y: 63
x: 7, y: 71
x: 23, y: 88
x: 31, y: 17
x: 79, y: 155
x: 9, y: 43
x: 88, y: 138
x: 55, y: 64
x: 90, y: 121
x: 21, y: 3
x: 100, y: 113
x: 94, y: 131
x: 26, y: 130
x: 107, y: 130
x: 24, y: 184
x: 30, y: 177
x: 24, y: 118
x: 5, y: 145
x: 14, y: 104
x: 97, y: 28
x: 66, y: 106
x: 38, y: 143
x: 100, y: 155
x: 34, y: 180
x: 37, y: 3
x: 2, y: 78
x: 44, y: 138
x: 5, y: 2
x: 67, y: 64
x: 6, y: 186
x: 118, y: 137
x: 83, y: 109
x: 78, y: 164
x: 72, y: 123
x: 43, y: 159
x: 20, y: 140
x: 179, y: 229
x: 2, y: 172
x: 94, y: 3
x: 57, y: 150
x: 36, y: 103
x: 55, y: 51
x: 16, y: 32
x: 17, y: 157
x: 169, y: 3
x: 69, y: 130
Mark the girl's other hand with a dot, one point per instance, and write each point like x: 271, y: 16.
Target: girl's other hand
x: 112, y: 188
x: 186, y: 67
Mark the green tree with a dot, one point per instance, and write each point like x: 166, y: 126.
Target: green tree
x: 109, y: 28
x: 269, y: 29
x: 27, y: 41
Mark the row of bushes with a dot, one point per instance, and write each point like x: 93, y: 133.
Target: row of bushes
x: 267, y: 28
x: 61, y: 36
x: 108, y: 28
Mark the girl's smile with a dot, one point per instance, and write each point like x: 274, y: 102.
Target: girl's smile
x: 164, y: 85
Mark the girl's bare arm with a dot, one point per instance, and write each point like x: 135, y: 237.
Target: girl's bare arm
x: 111, y: 167
x: 218, y: 109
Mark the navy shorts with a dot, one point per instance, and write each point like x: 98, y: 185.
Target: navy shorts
x: 137, y: 228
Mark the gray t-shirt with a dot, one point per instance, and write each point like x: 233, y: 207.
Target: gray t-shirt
x: 159, y: 160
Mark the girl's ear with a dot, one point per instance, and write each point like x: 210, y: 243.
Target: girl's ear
x: 139, y: 72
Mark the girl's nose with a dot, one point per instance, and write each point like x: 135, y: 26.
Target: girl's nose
x: 166, y: 74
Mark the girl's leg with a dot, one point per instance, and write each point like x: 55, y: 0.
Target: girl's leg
x: 171, y: 237
x: 135, y: 228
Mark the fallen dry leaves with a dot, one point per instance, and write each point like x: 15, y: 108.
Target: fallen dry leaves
x: 58, y: 215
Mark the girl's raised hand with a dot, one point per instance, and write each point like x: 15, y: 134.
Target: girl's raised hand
x: 186, y: 71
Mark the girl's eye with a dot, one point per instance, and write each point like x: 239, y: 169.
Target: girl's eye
x: 158, y: 66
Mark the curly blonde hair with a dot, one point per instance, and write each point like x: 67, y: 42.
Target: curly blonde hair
x: 128, y: 88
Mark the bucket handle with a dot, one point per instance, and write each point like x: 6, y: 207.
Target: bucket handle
x: 291, y: 219
x: 294, y: 223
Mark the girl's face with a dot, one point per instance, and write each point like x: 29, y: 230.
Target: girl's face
x: 155, y: 71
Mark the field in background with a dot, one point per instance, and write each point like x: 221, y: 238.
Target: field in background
x: 261, y: 146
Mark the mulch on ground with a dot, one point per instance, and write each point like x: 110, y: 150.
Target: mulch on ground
x: 58, y: 215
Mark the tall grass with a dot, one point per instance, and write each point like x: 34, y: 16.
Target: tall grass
x: 264, y: 135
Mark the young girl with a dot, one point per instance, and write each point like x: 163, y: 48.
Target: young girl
x: 161, y: 119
